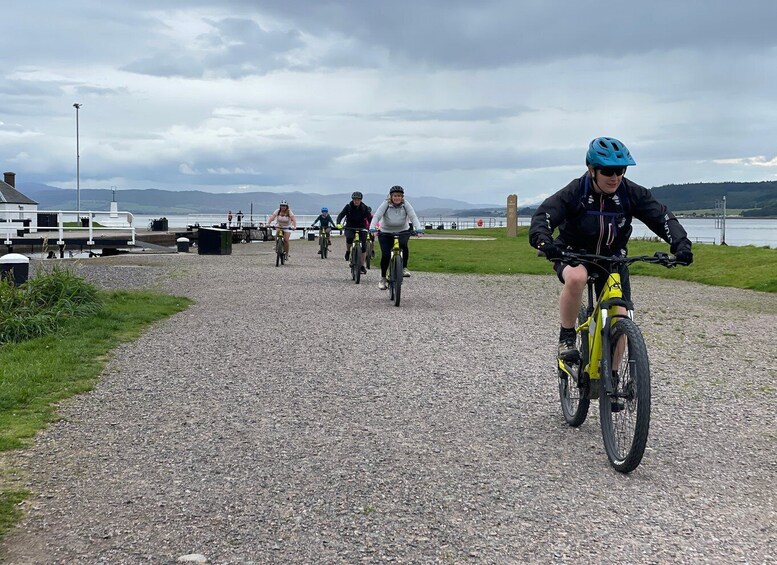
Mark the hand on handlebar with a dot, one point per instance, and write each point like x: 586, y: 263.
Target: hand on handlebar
x: 551, y: 251
x: 373, y: 230
x: 684, y: 257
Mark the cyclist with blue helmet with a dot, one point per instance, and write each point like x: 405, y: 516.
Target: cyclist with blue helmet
x: 327, y: 223
x: 594, y: 213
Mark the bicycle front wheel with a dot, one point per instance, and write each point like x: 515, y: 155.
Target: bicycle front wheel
x: 398, y: 276
x: 625, y: 415
x: 322, y: 245
x: 356, y: 252
x: 574, y: 396
x: 278, y: 252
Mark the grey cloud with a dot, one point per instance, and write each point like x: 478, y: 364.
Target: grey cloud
x: 475, y: 114
x: 234, y: 48
x: 29, y: 88
x: 101, y: 91
x: 465, y: 35
x: 167, y: 66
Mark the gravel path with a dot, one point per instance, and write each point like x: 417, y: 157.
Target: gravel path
x: 291, y: 416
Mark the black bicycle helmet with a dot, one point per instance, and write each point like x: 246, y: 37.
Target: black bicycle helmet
x: 397, y: 188
x: 357, y: 194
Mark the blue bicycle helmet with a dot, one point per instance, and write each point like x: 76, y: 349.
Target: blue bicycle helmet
x: 324, y: 210
x: 608, y: 152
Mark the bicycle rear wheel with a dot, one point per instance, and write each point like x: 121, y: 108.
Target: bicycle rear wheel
x: 625, y: 416
x: 573, y: 396
x: 398, y: 276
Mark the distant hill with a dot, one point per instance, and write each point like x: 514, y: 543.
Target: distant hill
x: 754, y: 198
x: 154, y: 201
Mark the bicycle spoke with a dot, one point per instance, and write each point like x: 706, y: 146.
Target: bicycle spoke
x: 625, y: 416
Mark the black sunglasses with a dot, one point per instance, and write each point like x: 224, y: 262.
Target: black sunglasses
x: 612, y: 171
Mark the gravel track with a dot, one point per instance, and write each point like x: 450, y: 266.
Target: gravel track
x: 291, y: 416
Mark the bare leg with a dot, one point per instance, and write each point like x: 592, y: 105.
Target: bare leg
x: 571, y: 297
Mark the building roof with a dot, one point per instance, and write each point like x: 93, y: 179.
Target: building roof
x: 9, y: 195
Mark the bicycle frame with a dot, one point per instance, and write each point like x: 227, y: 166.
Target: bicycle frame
x: 280, y: 258
x: 323, y: 241
x: 602, y: 314
x: 355, y: 262
x: 394, y: 274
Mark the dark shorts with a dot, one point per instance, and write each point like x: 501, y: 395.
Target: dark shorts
x: 558, y: 266
x: 350, y: 234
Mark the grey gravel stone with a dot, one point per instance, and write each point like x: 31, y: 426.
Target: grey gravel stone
x: 291, y: 416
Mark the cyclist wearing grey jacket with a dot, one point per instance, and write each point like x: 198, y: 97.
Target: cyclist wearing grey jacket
x: 394, y: 215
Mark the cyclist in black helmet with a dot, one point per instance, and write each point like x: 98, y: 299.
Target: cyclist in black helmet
x: 357, y: 216
x: 594, y: 213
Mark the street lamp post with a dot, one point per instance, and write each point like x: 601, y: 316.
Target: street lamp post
x: 78, y: 167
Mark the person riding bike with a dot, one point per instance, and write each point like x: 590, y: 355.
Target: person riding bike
x: 286, y: 220
x: 356, y: 214
x: 394, y: 215
x: 593, y: 214
x: 327, y: 223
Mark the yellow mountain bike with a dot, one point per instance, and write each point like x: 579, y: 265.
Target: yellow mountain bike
x: 357, y: 251
x: 280, y: 254
x: 323, y: 242
x: 613, y: 363
x: 394, y: 274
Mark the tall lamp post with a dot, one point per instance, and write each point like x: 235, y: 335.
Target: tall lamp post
x: 78, y: 167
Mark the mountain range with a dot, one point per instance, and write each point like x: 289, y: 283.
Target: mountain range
x: 154, y: 201
x: 750, y: 199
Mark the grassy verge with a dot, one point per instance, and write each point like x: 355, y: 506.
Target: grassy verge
x: 39, y: 372
x: 739, y: 267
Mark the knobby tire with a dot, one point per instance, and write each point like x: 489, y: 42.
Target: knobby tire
x: 356, y: 252
x: 278, y: 252
x: 397, y: 279
x: 625, y: 432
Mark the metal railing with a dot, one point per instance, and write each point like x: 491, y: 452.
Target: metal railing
x: 72, y: 216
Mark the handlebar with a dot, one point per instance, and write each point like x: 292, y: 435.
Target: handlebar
x: 403, y: 232
x: 666, y: 259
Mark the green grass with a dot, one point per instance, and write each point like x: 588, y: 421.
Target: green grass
x: 38, y: 372
x: 739, y: 267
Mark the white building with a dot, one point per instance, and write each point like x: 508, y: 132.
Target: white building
x: 15, y: 207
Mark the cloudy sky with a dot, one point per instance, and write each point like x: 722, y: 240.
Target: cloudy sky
x: 472, y: 100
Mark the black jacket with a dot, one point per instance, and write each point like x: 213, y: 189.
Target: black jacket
x: 600, y: 223
x: 355, y: 216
